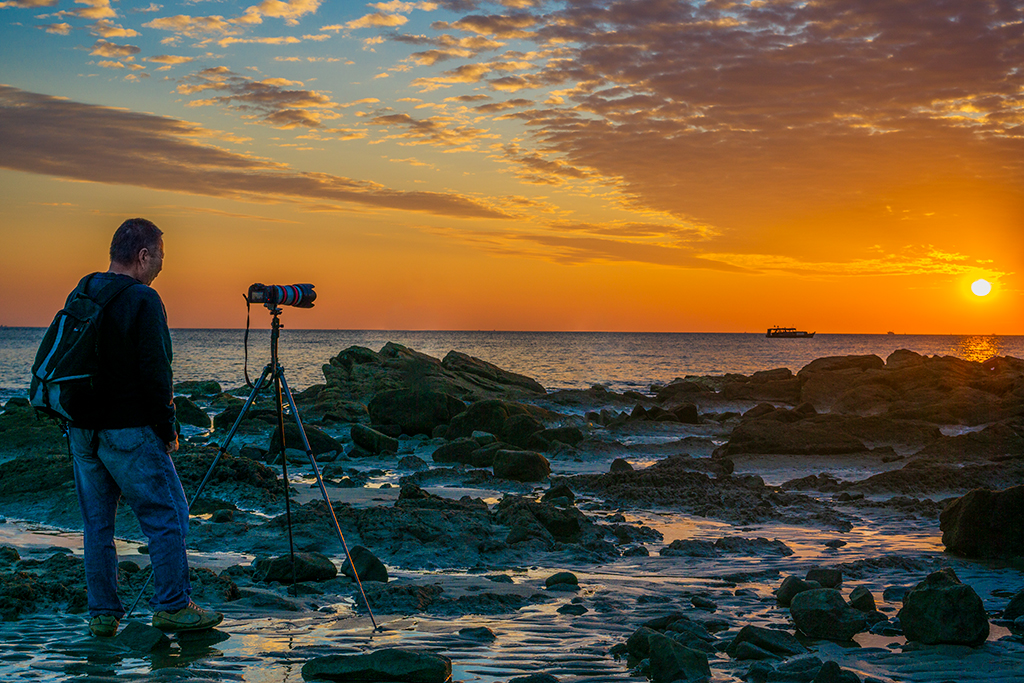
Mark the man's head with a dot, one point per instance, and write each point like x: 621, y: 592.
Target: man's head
x: 137, y: 249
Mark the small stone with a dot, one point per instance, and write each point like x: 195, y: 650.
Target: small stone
x: 561, y: 578
x: 835, y: 543
x: 575, y: 610
x: 139, y: 637
x: 862, y: 599
x: 700, y: 602
x: 478, y: 633
x: 636, y: 551
x: 368, y: 566
x: 831, y: 673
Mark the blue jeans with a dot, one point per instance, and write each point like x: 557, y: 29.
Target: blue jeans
x: 132, y: 462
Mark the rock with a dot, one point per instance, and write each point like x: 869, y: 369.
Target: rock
x: 772, y: 640
x: 828, y: 578
x: 700, y: 602
x: 620, y: 465
x: 940, y: 609
x: 831, y: 673
x: 672, y: 661
x: 559, y: 490
x: 521, y: 466
x: 458, y: 450
x: 752, y: 546
x: 985, y: 523
x: 560, y: 578
x: 534, y: 678
x: 481, y: 633
x: 495, y: 417
x: 521, y: 430
x: 198, y: 388
x: 139, y: 637
x: 189, y: 413
x: 319, y: 441
x: 572, y: 609
x: 689, y: 548
x: 1015, y: 609
x: 490, y: 375
x: 388, y: 664
x: 791, y: 587
x: 862, y: 599
x: 368, y: 566
x: 373, y: 441
x: 416, y: 411
x: 749, y: 651
x: 687, y: 414
x: 308, y: 567
x: 806, y: 437
x: 823, y: 613
x: 566, y: 435
x: 9, y: 554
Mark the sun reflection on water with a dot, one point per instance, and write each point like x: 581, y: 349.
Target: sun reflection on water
x: 979, y: 347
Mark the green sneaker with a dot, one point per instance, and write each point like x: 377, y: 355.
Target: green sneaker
x: 104, y: 625
x: 189, y: 618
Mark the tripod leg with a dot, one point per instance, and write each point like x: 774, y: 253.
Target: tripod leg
x: 221, y: 451
x: 323, y: 493
x: 278, y: 379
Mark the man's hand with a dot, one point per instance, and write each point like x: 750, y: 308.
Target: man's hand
x: 172, y: 445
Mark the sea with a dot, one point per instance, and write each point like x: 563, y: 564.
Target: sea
x: 619, y: 361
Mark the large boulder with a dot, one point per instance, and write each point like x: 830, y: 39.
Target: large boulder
x: 416, y: 411
x: 188, y: 413
x: 985, y: 523
x: 373, y: 441
x: 823, y: 613
x: 307, y: 567
x: 358, y: 373
x: 521, y: 466
x: 940, y: 609
x: 388, y: 664
x: 489, y: 375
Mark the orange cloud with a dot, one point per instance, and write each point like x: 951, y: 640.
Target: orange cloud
x: 120, y: 147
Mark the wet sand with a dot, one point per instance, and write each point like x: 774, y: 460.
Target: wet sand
x: 569, y: 635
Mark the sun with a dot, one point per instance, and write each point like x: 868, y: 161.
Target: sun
x: 981, y: 287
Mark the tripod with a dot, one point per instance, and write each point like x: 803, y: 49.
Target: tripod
x: 275, y: 372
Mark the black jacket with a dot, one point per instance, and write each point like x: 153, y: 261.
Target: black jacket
x: 134, y: 387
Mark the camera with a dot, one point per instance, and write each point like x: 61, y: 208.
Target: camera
x: 272, y: 296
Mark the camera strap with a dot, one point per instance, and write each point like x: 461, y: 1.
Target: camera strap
x: 245, y: 345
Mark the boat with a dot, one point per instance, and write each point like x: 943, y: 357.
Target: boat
x: 788, y: 333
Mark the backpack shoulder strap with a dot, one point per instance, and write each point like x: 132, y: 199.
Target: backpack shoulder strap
x: 106, y: 293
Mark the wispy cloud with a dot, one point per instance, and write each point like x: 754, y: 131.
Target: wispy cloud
x: 271, y: 100
x: 120, y: 147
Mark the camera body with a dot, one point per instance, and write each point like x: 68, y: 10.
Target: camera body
x: 272, y: 296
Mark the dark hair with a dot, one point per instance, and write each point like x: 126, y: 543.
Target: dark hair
x: 134, y: 235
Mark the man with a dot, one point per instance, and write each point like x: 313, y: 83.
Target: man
x: 123, y: 447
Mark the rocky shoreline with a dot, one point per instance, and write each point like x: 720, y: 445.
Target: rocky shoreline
x: 466, y: 488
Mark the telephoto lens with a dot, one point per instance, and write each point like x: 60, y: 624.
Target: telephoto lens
x: 299, y: 296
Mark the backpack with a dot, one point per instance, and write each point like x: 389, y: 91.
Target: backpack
x: 68, y: 357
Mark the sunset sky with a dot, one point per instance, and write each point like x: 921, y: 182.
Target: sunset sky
x: 834, y: 165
